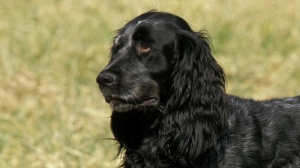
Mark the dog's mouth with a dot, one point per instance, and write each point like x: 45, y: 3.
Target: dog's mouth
x: 123, y: 105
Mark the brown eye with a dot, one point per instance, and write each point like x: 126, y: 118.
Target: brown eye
x: 143, y: 47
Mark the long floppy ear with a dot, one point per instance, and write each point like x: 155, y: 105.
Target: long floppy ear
x: 196, y: 112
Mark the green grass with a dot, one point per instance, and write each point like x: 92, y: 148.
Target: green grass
x: 52, y: 114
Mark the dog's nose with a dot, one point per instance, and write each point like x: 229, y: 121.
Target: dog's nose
x: 106, y: 79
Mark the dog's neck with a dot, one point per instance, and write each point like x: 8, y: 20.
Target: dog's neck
x: 132, y: 128
x: 129, y: 128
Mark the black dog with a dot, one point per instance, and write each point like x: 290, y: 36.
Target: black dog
x: 170, y: 109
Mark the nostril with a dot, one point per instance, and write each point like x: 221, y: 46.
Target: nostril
x: 106, y: 79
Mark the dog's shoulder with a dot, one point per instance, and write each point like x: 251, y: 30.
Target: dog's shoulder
x: 268, y: 128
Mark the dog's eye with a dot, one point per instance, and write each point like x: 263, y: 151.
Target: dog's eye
x: 143, y: 47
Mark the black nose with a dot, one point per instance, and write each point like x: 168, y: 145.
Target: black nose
x: 106, y: 79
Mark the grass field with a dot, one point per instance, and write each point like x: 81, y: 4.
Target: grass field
x: 52, y: 114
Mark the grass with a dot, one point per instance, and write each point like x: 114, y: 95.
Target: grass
x: 52, y: 114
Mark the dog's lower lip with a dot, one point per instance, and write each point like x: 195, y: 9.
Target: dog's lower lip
x: 123, y: 101
x: 149, y: 101
x: 123, y: 105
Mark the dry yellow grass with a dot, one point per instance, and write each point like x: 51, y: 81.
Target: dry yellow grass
x: 52, y: 114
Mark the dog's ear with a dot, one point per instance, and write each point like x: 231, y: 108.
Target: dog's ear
x: 196, y: 112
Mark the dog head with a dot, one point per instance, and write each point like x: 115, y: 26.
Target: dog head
x: 156, y: 59
x: 139, y: 72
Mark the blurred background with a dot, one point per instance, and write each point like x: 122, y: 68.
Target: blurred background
x: 52, y: 114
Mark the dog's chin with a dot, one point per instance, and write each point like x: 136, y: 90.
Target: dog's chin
x: 125, y: 106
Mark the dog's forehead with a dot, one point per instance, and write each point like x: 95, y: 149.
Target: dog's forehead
x: 117, y: 39
x: 131, y: 27
x: 127, y: 33
x: 123, y: 39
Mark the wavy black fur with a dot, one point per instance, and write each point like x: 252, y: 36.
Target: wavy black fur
x: 170, y: 109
